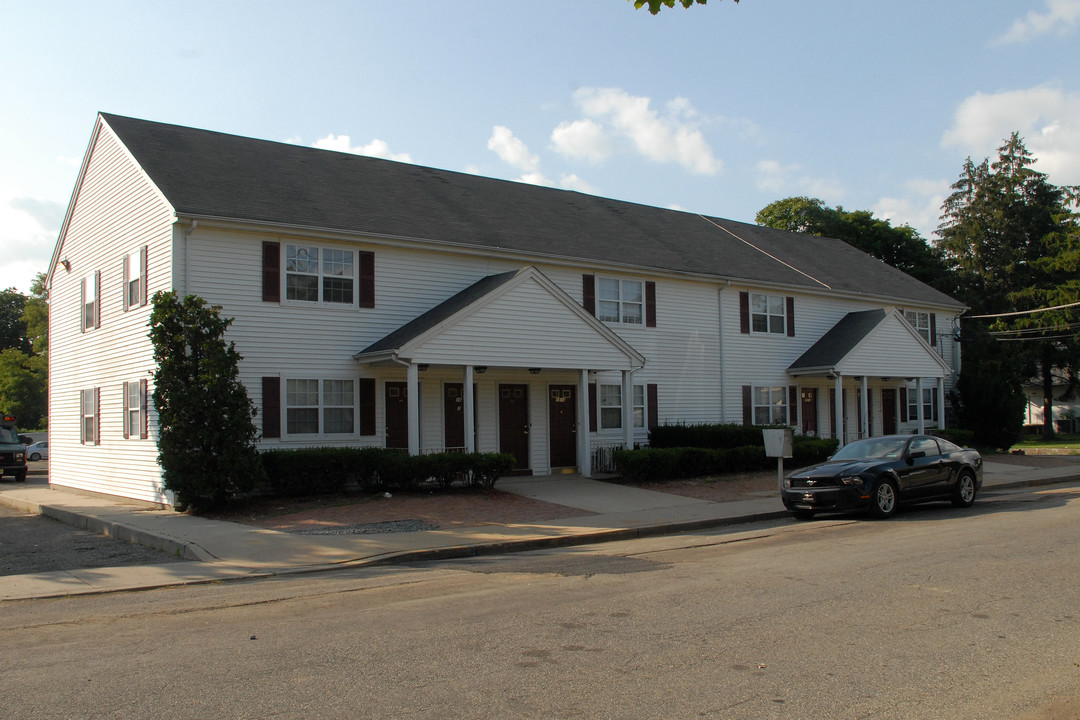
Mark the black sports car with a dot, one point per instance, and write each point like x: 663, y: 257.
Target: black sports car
x: 877, y: 474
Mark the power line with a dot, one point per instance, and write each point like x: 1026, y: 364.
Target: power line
x: 1023, y: 312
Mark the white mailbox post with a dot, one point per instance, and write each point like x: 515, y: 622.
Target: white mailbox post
x: 778, y: 442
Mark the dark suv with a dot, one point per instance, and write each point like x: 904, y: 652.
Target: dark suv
x: 12, y: 451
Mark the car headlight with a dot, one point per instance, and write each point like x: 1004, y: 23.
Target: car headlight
x: 852, y: 480
x: 787, y: 483
x: 19, y: 457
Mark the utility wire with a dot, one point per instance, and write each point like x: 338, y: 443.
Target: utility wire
x: 1023, y: 312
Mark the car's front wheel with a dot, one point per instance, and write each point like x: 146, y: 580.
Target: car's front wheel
x: 35, y: 456
x: 964, y: 495
x: 884, y: 499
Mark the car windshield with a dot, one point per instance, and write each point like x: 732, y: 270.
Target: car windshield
x: 8, y: 435
x: 875, y: 448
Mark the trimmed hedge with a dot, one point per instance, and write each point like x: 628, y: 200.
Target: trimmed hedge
x: 963, y: 438
x: 328, y: 470
x: 707, y: 435
x: 658, y: 464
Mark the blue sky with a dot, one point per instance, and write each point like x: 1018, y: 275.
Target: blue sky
x: 719, y: 109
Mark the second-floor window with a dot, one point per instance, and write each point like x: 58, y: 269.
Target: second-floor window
x: 921, y: 322
x: 90, y: 304
x: 318, y: 274
x: 768, y: 313
x: 135, y: 278
x: 620, y: 301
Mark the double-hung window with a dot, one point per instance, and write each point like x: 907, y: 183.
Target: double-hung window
x: 134, y: 281
x: 921, y: 322
x: 913, y: 403
x: 90, y: 304
x: 89, y: 404
x: 320, y: 406
x: 319, y: 274
x: 770, y: 405
x: 135, y: 409
x: 611, y: 406
x: 620, y: 301
x: 768, y: 313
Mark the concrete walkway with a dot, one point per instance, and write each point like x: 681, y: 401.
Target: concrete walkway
x: 226, y: 550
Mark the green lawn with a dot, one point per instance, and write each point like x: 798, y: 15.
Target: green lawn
x: 1063, y: 444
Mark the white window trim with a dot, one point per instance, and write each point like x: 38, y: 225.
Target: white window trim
x: 768, y: 314
x: 321, y: 408
x: 913, y: 404
x: 772, y: 406
x: 320, y: 276
x: 89, y: 400
x: 638, y: 410
x: 620, y: 302
x: 135, y: 272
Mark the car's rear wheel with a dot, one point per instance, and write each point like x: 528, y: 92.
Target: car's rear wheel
x: 884, y: 499
x: 35, y: 456
x: 802, y: 514
x: 964, y: 495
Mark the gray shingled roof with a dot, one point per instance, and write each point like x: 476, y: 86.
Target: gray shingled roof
x: 211, y: 174
x: 833, y: 346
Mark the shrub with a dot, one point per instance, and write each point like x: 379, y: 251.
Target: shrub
x: 486, y: 468
x: 963, y: 438
x: 707, y: 435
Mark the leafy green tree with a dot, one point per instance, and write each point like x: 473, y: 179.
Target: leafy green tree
x: 1012, y: 238
x: 654, y: 5
x: 902, y: 247
x: 23, y: 387
x: 12, y: 326
x: 36, y: 316
x: 206, y: 433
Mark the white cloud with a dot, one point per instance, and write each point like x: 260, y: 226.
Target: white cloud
x: 581, y: 139
x: 28, y: 231
x: 919, y: 207
x: 1061, y: 18
x: 610, y: 112
x: 1047, y: 118
x: 375, y: 148
x: 512, y: 150
x: 788, y: 180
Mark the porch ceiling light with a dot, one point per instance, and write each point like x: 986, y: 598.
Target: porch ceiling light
x: 481, y: 369
x: 534, y: 371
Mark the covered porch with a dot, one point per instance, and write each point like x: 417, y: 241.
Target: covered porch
x: 867, y: 355
x: 505, y: 365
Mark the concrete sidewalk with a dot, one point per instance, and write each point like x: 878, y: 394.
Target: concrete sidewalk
x: 226, y: 550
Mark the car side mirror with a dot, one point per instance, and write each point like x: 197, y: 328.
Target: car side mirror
x: 915, y: 455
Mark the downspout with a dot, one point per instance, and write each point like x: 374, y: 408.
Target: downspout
x: 182, y: 290
x: 720, y: 350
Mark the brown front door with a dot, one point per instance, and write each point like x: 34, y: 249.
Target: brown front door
x: 514, y: 424
x: 397, y: 415
x: 809, y: 411
x: 454, y: 416
x: 562, y: 425
x: 888, y: 411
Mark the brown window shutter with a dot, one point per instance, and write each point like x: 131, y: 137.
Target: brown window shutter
x: 588, y: 293
x: 271, y: 406
x: 144, y: 276
x: 793, y: 405
x: 367, y: 406
x: 744, y: 313
x: 903, y: 404
x: 791, y: 317
x: 366, y: 290
x: 127, y: 417
x: 747, y: 405
x: 144, y: 431
x: 592, y: 407
x: 97, y: 299
x: 82, y: 314
x: 124, y: 286
x: 97, y: 415
x: 653, y: 404
x: 271, y: 272
x: 933, y: 329
x: 650, y: 304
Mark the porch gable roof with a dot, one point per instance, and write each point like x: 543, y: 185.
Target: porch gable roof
x: 483, y: 325
x: 879, y: 343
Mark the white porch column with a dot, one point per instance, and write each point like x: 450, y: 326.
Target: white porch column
x: 941, y: 402
x: 864, y: 407
x: 412, y: 376
x: 584, y: 440
x: 918, y: 394
x: 839, y: 385
x: 470, y: 411
x: 628, y: 409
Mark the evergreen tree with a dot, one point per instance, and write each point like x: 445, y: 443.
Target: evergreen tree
x: 1012, y: 238
x: 206, y: 433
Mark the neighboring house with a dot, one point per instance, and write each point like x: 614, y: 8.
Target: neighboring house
x: 383, y: 304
